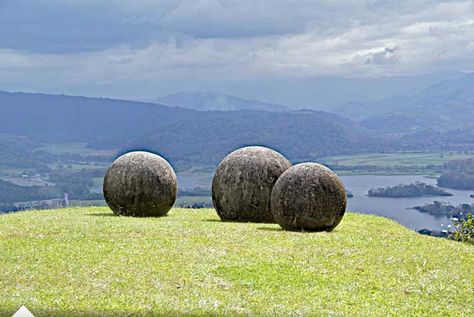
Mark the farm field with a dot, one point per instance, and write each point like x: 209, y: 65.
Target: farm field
x: 397, y: 159
x: 74, y: 149
x: 88, y: 262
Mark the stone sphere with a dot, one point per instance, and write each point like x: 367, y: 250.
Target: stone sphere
x: 140, y: 184
x: 308, y: 197
x: 243, y: 183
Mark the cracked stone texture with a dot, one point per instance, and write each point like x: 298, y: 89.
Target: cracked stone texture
x: 308, y: 197
x: 243, y: 183
x: 140, y: 184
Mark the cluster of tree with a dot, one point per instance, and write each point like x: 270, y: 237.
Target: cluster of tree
x: 14, y: 154
x: 460, y: 166
x: 18, y: 158
x: 196, y: 205
x: 417, y: 189
x: 76, y: 184
x: 458, y: 174
x: 41, y: 204
x: 13, y: 193
x: 440, y: 209
x: 194, y: 192
x: 456, y: 181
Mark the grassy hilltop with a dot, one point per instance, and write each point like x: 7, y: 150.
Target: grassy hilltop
x: 87, y: 262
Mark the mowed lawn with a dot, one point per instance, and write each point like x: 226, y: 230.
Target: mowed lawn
x: 86, y: 261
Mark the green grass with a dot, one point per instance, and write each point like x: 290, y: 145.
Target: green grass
x: 87, y: 262
x: 397, y: 159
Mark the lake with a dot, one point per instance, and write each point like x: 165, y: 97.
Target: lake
x: 397, y: 209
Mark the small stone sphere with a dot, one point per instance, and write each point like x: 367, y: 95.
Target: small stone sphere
x: 308, y: 197
x: 140, y: 184
x: 243, y: 183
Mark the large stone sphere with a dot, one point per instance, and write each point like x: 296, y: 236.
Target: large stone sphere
x: 308, y: 197
x: 243, y: 183
x: 140, y: 184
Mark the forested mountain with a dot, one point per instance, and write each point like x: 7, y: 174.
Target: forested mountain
x: 182, y: 134
x: 204, y: 137
x: 204, y: 101
x: 99, y: 122
x: 298, y: 134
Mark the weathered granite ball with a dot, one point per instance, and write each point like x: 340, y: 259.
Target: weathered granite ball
x: 140, y: 184
x: 308, y: 197
x: 243, y: 183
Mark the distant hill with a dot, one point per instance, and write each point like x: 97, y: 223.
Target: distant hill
x: 442, y: 107
x: 325, y: 93
x: 301, y: 135
x: 204, y: 101
x: 189, y: 137
x: 450, y: 99
x: 182, y: 135
x: 103, y: 123
x: 396, y: 123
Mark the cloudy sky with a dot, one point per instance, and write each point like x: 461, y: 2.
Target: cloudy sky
x: 146, y: 48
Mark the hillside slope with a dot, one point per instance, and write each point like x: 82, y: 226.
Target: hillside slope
x: 100, y: 122
x: 297, y: 134
x: 86, y: 262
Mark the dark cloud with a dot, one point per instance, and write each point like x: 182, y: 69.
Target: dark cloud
x: 55, y: 26
x: 72, y: 26
x: 112, y: 44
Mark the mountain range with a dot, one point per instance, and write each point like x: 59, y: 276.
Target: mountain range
x: 182, y: 135
x: 439, y: 117
x: 442, y: 106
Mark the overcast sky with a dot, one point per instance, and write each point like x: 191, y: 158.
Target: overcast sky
x: 144, y: 48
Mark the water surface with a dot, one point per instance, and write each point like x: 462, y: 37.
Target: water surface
x: 399, y: 208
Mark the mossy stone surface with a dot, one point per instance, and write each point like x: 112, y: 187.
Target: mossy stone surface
x: 308, y: 197
x: 140, y: 184
x: 243, y: 183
